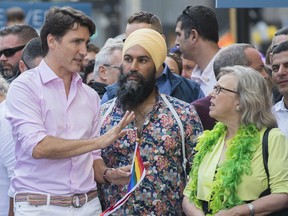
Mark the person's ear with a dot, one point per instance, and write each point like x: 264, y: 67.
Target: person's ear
x: 194, y: 35
x: 103, y: 72
x: 51, y: 41
x: 22, y: 66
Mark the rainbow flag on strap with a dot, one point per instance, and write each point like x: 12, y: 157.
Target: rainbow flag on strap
x: 138, y: 173
x: 137, y: 170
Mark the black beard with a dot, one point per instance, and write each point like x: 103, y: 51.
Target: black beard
x: 132, y: 93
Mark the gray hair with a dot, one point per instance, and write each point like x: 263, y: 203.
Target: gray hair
x: 230, y: 56
x: 255, y: 100
x: 104, y: 55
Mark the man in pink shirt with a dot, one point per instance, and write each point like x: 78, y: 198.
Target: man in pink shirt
x: 55, y: 121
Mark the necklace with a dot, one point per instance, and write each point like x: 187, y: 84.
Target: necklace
x: 238, y: 162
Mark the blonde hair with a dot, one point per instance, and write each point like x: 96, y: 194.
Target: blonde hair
x: 254, y: 95
x: 3, y: 86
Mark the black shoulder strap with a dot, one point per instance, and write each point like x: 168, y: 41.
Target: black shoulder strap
x: 265, y: 151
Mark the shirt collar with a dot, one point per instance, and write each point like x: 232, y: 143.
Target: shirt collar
x: 280, y: 106
x: 164, y: 74
x: 47, y: 74
x: 207, y: 75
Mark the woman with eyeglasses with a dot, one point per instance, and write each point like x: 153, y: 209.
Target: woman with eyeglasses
x: 228, y: 174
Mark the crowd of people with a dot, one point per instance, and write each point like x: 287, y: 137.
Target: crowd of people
x: 71, y: 114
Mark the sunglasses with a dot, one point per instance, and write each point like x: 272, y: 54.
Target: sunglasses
x: 28, y: 68
x: 186, y: 12
x: 11, y: 51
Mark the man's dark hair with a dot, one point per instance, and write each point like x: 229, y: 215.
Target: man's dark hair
x: 14, y: 14
x: 282, y: 47
x: 92, y: 48
x: 31, y: 51
x: 147, y: 17
x: 177, y: 58
x: 282, y: 31
x: 24, y: 32
x: 60, y: 20
x: 202, y: 19
x: 88, y: 69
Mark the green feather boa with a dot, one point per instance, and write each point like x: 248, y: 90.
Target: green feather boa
x: 238, y: 162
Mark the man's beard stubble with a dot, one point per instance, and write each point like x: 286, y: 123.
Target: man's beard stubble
x: 7, y: 74
x: 132, y: 93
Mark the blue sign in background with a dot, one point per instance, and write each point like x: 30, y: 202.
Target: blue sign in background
x: 251, y: 4
x: 35, y: 12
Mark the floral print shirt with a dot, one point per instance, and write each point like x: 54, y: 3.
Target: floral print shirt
x: 161, y: 191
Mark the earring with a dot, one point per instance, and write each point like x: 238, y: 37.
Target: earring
x: 237, y: 108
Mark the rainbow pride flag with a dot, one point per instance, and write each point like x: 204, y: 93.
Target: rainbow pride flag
x: 137, y: 175
x: 137, y: 170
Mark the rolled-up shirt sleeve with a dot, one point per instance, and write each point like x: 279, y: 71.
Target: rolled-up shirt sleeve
x: 23, y: 111
x: 38, y: 105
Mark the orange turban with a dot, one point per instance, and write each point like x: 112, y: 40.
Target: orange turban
x: 151, y: 40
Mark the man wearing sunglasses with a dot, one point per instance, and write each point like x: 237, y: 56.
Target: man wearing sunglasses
x: 12, y: 41
x: 197, y: 37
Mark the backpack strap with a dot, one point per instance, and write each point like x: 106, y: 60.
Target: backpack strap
x: 179, y: 122
x: 265, y: 153
x: 108, y: 111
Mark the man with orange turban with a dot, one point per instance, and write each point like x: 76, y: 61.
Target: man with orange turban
x: 168, y: 83
x: 166, y: 129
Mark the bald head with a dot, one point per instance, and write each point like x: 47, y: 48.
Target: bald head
x: 239, y: 54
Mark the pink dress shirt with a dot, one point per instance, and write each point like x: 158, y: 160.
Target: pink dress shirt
x: 37, y: 106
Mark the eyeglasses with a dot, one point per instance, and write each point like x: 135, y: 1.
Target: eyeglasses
x: 186, y: 11
x: 28, y: 68
x: 112, y: 66
x: 11, y: 51
x: 218, y: 89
